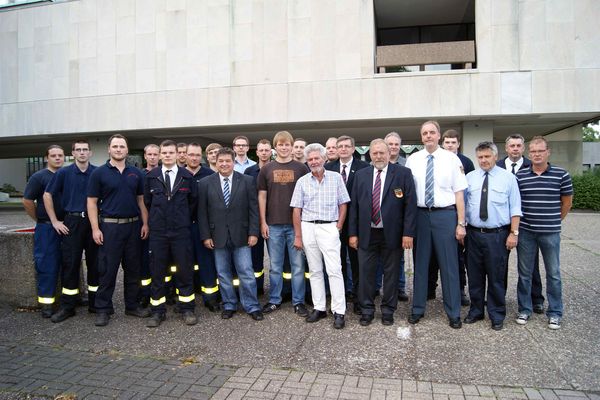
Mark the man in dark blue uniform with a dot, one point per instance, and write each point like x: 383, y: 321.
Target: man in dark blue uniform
x: 119, y: 221
x: 263, y: 152
x: 46, y: 242
x: 205, y: 273
x: 151, y: 155
x: 170, y: 196
x: 70, y: 183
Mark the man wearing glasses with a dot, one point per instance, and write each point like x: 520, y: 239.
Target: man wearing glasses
x: 241, y: 144
x: 70, y: 183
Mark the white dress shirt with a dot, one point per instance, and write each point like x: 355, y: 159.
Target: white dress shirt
x: 172, y: 174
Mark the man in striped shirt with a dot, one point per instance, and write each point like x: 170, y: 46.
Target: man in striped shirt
x: 546, y: 198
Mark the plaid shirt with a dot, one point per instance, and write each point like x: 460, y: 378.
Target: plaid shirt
x: 320, y: 200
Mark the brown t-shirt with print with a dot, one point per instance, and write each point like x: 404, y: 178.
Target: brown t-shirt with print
x: 279, y: 180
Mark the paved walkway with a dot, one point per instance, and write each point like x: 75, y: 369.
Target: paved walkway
x: 45, y: 372
x: 282, y: 357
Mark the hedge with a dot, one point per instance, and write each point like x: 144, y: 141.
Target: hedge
x: 587, y: 190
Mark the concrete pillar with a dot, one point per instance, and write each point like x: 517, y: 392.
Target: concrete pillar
x: 473, y: 133
x: 567, y: 149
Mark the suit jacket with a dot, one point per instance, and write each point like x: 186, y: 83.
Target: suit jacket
x: 356, y: 165
x: 502, y: 163
x: 235, y: 222
x: 398, y: 206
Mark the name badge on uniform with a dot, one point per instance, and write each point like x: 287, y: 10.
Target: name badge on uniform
x: 398, y: 193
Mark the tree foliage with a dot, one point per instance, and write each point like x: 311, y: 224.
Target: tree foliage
x: 586, y: 189
x: 590, y: 134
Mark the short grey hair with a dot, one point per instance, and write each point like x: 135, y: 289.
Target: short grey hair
x: 515, y: 136
x: 393, y: 134
x: 311, y: 148
x: 487, y: 146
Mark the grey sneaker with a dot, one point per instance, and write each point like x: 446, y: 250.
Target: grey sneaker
x: 554, y: 323
x: 522, y: 318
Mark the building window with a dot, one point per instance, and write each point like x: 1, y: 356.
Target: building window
x: 11, y: 3
x: 424, y: 35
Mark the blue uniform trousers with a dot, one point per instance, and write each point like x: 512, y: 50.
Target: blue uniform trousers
x: 205, y: 277
x: 486, y: 261
x: 122, y: 245
x: 436, y: 233
x: 258, y: 255
x: 46, y: 255
x: 165, y: 246
x: 74, y: 244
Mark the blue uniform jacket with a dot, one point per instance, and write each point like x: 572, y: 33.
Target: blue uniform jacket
x: 174, y: 213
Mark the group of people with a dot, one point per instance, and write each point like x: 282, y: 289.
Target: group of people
x: 178, y: 228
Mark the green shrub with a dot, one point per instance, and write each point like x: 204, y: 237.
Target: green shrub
x: 8, y: 188
x: 587, y: 190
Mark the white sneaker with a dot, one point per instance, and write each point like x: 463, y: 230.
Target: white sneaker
x: 554, y: 323
x: 522, y: 318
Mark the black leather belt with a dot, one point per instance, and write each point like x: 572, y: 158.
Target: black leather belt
x: 452, y: 207
x: 119, y: 220
x: 318, y: 221
x: 77, y: 214
x: 489, y: 230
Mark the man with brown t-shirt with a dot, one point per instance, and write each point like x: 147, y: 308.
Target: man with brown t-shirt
x: 276, y: 183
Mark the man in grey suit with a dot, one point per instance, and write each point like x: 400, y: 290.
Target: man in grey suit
x: 228, y: 219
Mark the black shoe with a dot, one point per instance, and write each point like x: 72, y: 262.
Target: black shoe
x: 301, y: 310
x: 155, y: 320
x: 471, y: 320
x: 138, y: 312
x: 83, y: 301
x: 402, y: 296
x: 213, y: 306
x: 357, y: 310
x: 92, y: 310
x: 338, y: 321
x: 455, y: 323
x: 365, y: 320
x: 189, y: 318
x: 497, y: 325
x: 226, y: 314
x: 47, y: 311
x: 414, y: 318
x: 62, y: 314
x: 316, y: 315
x: 538, y: 308
x: 101, y: 319
x: 464, y: 300
x: 270, y: 307
x: 387, y: 319
x: 257, y: 315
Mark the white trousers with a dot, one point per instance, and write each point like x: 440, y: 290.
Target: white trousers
x: 322, y: 242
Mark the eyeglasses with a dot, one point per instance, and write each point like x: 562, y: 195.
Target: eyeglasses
x: 538, y: 151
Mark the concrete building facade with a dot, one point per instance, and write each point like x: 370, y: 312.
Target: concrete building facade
x: 207, y: 70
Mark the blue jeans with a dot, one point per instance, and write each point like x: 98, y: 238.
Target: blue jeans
x: 280, y: 237
x: 549, y: 244
x: 241, y: 257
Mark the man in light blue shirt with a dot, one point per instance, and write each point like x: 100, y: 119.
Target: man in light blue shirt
x: 241, y: 145
x: 493, y: 211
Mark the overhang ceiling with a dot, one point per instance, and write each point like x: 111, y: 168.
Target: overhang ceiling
x: 397, y: 13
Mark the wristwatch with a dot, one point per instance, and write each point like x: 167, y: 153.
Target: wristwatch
x: 515, y: 232
x: 463, y: 224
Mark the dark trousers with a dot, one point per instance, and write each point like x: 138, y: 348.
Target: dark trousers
x: 349, y: 268
x: 73, y: 245
x: 486, y: 261
x: 145, y: 277
x: 537, y: 297
x: 205, y: 278
x: 164, y: 247
x: 258, y: 256
x: 122, y: 245
x: 46, y: 254
x: 436, y: 232
x: 368, y: 259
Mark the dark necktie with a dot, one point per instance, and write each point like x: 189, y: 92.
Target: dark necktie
x: 226, y: 193
x: 429, y: 182
x: 376, y: 208
x: 513, y: 168
x: 483, y: 210
x: 168, y: 182
x: 344, y: 175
